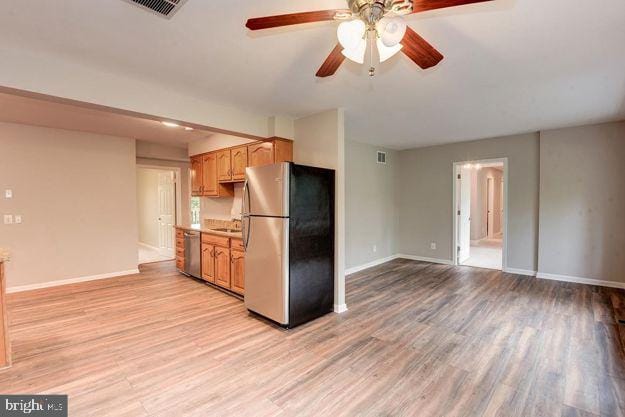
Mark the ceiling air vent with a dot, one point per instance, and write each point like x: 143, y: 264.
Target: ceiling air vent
x: 381, y: 157
x: 164, y: 8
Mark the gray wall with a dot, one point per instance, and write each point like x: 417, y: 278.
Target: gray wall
x: 582, y: 201
x: 425, y: 198
x: 370, y: 204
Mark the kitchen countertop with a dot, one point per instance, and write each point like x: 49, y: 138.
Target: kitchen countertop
x: 235, y: 235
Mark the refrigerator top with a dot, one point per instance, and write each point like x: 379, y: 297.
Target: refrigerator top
x: 266, y: 191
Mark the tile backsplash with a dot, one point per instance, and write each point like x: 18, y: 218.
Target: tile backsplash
x: 227, y: 224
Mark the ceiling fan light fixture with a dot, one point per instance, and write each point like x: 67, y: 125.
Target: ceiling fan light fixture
x: 391, y: 30
x: 357, y: 54
x: 351, y: 33
x: 386, y: 52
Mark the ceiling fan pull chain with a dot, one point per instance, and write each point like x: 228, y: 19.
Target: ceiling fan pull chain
x: 371, y: 67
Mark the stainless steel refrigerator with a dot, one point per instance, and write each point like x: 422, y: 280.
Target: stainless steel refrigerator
x: 288, y: 234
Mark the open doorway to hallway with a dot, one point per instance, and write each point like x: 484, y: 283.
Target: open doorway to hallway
x: 156, y: 212
x: 480, y: 213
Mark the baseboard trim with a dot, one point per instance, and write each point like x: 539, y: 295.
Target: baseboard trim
x: 50, y: 284
x: 145, y: 245
x: 580, y: 280
x: 426, y: 259
x: 340, y: 308
x: 516, y: 271
x: 371, y: 264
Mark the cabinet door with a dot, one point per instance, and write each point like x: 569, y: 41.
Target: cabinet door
x: 208, y: 263
x: 283, y: 151
x: 209, y: 174
x: 260, y: 154
x: 237, y: 271
x: 196, y: 176
x: 239, y: 162
x: 224, y: 169
x: 222, y: 267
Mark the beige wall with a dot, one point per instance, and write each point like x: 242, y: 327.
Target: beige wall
x: 370, y: 210
x: 151, y: 150
x: 215, y: 142
x: 147, y: 205
x: 582, y: 190
x: 320, y: 141
x: 424, y: 196
x: 76, y: 193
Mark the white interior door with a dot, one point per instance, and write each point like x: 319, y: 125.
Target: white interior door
x: 490, y: 214
x: 464, y: 216
x: 501, y: 208
x: 166, y: 212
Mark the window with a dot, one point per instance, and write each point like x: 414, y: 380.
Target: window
x: 195, y: 211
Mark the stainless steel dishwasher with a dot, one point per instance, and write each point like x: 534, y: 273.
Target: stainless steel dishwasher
x: 192, y: 254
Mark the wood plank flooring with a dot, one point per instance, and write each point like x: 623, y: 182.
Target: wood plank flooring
x: 418, y: 340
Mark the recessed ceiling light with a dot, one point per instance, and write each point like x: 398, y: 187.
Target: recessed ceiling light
x: 171, y: 124
x: 188, y: 128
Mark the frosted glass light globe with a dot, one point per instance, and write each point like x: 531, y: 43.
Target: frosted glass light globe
x: 351, y: 33
x: 391, y: 30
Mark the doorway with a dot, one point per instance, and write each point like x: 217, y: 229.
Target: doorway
x: 157, y: 194
x: 480, y: 216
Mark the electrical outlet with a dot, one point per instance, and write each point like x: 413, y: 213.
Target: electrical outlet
x: 433, y: 245
x: 8, y: 193
x: 375, y: 248
x: 8, y: 219
x: 18, y: 219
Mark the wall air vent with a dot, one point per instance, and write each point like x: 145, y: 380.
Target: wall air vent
x: 164, y: 8
x: 381, y: 157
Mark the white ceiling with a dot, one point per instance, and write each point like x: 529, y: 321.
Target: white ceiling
x: 511, y: 66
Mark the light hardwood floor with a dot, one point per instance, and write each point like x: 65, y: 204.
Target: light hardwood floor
x: 418, y: 340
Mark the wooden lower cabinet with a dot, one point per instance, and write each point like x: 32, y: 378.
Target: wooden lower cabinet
x: 237, y: 271
x: 222, y: 267
x: 179, y: 249
x: 208, y: 263
x: 223, y: 262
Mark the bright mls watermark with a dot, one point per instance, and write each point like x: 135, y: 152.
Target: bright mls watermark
x: 33, y: 405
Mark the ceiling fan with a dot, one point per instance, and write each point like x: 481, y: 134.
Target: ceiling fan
x: 379, y: 22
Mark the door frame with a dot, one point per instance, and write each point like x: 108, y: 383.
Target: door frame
x: 504, y: 226
x: 177, y: 184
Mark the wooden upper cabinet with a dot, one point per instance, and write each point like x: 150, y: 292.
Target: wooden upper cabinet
x: 237, y: 271
x: 196, y: 176
x: 222, y: 267
x: 260, y: 154
x: 208, y: 263
x: 239, y: 162
x: 283, y: 151
x: 209, y: 174
x: 224, y: 167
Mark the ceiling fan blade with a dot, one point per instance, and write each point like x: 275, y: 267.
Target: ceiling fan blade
x: 425, y: 5
x: 332, y: 62
x: 296, y: 19
x: 419, y: 50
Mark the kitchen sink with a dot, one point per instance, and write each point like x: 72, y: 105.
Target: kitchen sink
x: 223, y: 229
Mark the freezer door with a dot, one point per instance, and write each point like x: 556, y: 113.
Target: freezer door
x: 267, y: 268
x: 266, y: 191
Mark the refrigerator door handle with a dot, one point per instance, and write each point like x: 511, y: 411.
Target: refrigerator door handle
x: 245, y: 210
x: 245, y: 231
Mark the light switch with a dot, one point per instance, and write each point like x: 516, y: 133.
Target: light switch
x: 8, y: 193
x: 18, y: 219
x: 433, y: 246
x: 8, y: 219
